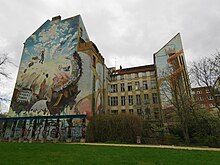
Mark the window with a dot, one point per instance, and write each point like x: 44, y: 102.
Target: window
x: 137, y: 85
x: 123, y: 111
x: 113, y: 77
x: 131, y: 110
x: 147, y: 113
x: 201, y: 98
x: 212, y: 105
x: 122, y: 100
x: 156, y: 115
x: 154, y: 98
x: 199, y: 92
x: 210, y: 98
x: 139, y: 111
x: 94, y: 61
x: 207, y: 91
x: 122, y: 77
x: 138, y: 99
x: 114, y: 101
x: 153, y: 84
x: 181, y: 60
x: 145, y: 98
x: 136, y: 75
x: 114, y: 112
x: 129, y: 76
x: 130, y: 100
x: 114, y: 88
x: 122, y: 87
x: 130, y: 86
x: 144, y: 74
x: 152, y: 73
x: 109, y: 101
x: 145, y: 85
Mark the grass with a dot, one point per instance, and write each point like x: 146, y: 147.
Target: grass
x: 64, y: 154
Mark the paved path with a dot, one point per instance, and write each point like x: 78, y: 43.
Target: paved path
x: 153, y: 146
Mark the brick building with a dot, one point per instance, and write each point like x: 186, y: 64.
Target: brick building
x: 204, y: 97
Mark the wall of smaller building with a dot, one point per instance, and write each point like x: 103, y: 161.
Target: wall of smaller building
x: 65, y: 128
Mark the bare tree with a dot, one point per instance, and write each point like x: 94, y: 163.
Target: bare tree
x: 177, y: 99
x: 4, y: 62
x: 205, y: 72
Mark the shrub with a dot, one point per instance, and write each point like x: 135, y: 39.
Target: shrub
x: 120, y: 128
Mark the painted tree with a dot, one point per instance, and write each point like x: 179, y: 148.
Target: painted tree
x: 206, y: 73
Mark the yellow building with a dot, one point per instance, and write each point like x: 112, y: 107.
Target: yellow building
x: 134, y: 90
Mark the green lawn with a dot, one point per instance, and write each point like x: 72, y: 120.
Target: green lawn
x: 55, y: 154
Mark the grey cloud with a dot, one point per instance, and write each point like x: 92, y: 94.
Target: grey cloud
x: 130, y: 31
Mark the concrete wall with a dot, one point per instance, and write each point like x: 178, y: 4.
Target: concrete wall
x: 71, y: 128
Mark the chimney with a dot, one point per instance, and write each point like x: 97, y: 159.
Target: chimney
x: 57, y: 18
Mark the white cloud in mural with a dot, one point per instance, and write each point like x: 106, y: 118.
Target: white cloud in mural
x: 64, y: 26
x: 33, y: 38
x: 26, y: 51
x: 72, y: 45
x: 38, y: 47
x: 70, y: 29
x: 50, y: 35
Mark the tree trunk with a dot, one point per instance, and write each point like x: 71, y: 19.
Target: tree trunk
x: 185, y: 131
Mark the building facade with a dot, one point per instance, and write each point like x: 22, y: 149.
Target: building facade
x: 61, y: 72
x: 61, y: 80
x: 203, y: 96
x: 217, y: 93
x: 172, y: 76
x: 134, y: 90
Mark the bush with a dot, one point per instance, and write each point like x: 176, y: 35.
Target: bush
x: 120, y: 128
x: 171, y: 140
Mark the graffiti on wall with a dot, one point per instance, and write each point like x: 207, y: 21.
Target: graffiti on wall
x: 47, y: 129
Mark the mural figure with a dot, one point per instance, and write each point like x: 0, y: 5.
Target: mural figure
x: 42, y: 57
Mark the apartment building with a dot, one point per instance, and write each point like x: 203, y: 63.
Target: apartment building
x: 207, y: 99
x: 204, y: 97
x: 217, y: 88
x: 134, y: 90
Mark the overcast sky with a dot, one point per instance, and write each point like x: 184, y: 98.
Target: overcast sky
x: 126, y: 32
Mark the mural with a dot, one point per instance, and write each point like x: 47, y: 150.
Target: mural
x: 169, y: 56
x: 49, y: 71
x: 55, y: 77
x: 43, y: 129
